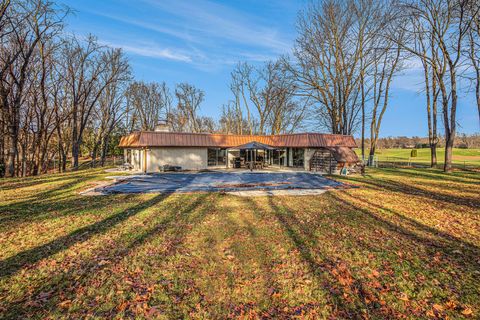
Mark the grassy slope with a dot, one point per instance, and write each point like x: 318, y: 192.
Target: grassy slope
x: 460, y: 156
x: 406, y: 243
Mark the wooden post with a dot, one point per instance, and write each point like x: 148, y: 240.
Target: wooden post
x: 145, y: 160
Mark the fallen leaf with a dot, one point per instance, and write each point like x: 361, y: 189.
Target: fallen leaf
x: 103, y: 262
x: 65, y: 304
x: 450, y: 305
x: 467, y: 312
x: 403, y: 296
x: 438, y: 308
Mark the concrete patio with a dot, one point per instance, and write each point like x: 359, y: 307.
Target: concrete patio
x: 242, y: 183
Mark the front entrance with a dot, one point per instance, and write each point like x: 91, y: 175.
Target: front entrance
x: 241, y: 158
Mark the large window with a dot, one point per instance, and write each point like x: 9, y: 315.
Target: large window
x: 217, y: 157
x: 279, y: 157
x: 298, y: 157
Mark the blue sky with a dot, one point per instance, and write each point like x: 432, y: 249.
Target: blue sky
x: 200, y: 41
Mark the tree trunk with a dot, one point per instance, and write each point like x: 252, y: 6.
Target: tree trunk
x: 449, y: 139
x: 64, y: 160
x: 450, y: 133
x: 477, y: 92
x: 363, y: 132
x: 75, y: 154
x: 24, y: 159
x: 371, y: 154
x: 104, y: 151
x: 12, y: 151
x: 433, y: 155
x: 94, y: 154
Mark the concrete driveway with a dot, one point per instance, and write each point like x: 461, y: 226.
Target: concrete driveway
x: 220, y: 182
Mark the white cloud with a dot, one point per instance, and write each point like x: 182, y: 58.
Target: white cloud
x: 150, y: 50
x: 205, y: 34
x: 205, y: 19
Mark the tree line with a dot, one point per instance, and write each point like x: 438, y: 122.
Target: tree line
x: 345, y: 58
x: 62, y: 97
x: 463, y: 141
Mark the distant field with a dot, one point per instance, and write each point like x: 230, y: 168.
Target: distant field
x: 469, y: 157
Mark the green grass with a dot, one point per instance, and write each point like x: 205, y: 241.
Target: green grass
x: 468, y: 157
x: 404, y: 244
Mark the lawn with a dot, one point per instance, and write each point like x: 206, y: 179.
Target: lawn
x: 405, y: 244
x: 461, y: 157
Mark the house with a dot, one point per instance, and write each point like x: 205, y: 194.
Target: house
x: 149, y: 151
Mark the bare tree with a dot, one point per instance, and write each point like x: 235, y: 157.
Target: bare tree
x: 328, y: 59
x: 147, y: 103
x: 447, y: 23
x: 109, y: 110
x: 25, y: 24
x: 426, y: 46
x: 185, y: 117
x: 42, y: 93
x: 271, y: 92
x: 371, y: 19
x: 473, y: 49
x: 385, y: 67
x: 237, y: 86
x: 90, y: 69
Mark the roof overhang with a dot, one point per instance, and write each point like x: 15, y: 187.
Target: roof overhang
x: 173, y: 139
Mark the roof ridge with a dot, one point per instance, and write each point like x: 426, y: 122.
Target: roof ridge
x: 242, y: 135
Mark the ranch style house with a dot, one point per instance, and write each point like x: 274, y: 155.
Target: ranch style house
x: 153, y: 151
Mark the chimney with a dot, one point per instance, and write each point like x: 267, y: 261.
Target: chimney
x: 162, y: 126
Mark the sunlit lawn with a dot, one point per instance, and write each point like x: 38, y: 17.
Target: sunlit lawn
x: 461, y: 157
x: 404, y: 244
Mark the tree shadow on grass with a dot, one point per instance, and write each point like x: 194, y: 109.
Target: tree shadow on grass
x: 262, y: 255
x: 44, y: 197
x: 303, y: 236
x: 265, y: 258
x: 176, y: 222
x: 410, y: 229
x: 54, y: 208
x: 8, y: 184
x: 322, y: 267
x: 433, y: 174
x: 389, y: 185
x: 12, y: 264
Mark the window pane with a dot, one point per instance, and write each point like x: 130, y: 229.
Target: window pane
x: 298, y: 157
x: 212, y: 157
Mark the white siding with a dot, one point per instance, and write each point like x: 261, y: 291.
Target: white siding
x: 308, y: 155
x: 136, y: 159
x: 187, y: 158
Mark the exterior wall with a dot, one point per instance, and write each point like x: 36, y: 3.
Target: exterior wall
x: 308, y: 153
x: 290, y: 157
x: 230, y: 157
x: 192, y: 158
x: 136, y: 159
x: 187, y: 158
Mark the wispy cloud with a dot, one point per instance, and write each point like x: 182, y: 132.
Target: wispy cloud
x: 150, y: 50
x: 208, y: 19
x: 204, y: 33
x: 174, y: 31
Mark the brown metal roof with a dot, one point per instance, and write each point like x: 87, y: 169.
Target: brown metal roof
x: 344, y: 154
x: 176, y: 139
